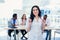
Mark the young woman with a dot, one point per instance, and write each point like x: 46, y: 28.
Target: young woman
x: 34, y: 25
x: 23, y: 22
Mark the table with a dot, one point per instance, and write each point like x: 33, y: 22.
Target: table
x: 18, y: 28
x: 52, y: 28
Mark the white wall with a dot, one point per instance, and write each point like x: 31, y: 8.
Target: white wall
x: 6, y: 8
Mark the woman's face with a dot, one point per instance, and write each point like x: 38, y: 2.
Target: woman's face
x: 35, y: 11
x: 24, y: 16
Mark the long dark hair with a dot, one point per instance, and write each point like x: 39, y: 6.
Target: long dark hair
x: 32, y: 15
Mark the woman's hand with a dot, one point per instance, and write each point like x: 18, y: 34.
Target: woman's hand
x: 30, y: 22
x: 29, y: 25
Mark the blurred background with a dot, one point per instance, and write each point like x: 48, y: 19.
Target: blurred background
x: 9, y: 7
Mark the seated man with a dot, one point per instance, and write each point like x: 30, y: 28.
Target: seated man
x: 12, y: 23
x: 45, y: 24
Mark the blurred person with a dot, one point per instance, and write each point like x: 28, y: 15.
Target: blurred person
x: 23, y: 23
x: 46, y: 23
x: 12, y: 23
x: 34, y: 24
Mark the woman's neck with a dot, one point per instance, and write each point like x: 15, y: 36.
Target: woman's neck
x: 37, y: 17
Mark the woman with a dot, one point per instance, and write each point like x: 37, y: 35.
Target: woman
x: 23, y: 19
x: 23, y: 22
x: 34, y: 26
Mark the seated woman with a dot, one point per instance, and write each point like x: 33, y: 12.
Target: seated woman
x: 23, y: 22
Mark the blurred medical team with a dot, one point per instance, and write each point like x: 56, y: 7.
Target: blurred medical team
x: 34, y: 25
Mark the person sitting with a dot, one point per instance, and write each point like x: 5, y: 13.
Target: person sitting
x: 23, y: 22
x: 12, y: 23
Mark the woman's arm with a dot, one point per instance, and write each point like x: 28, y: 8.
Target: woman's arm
x: 28, y: 25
